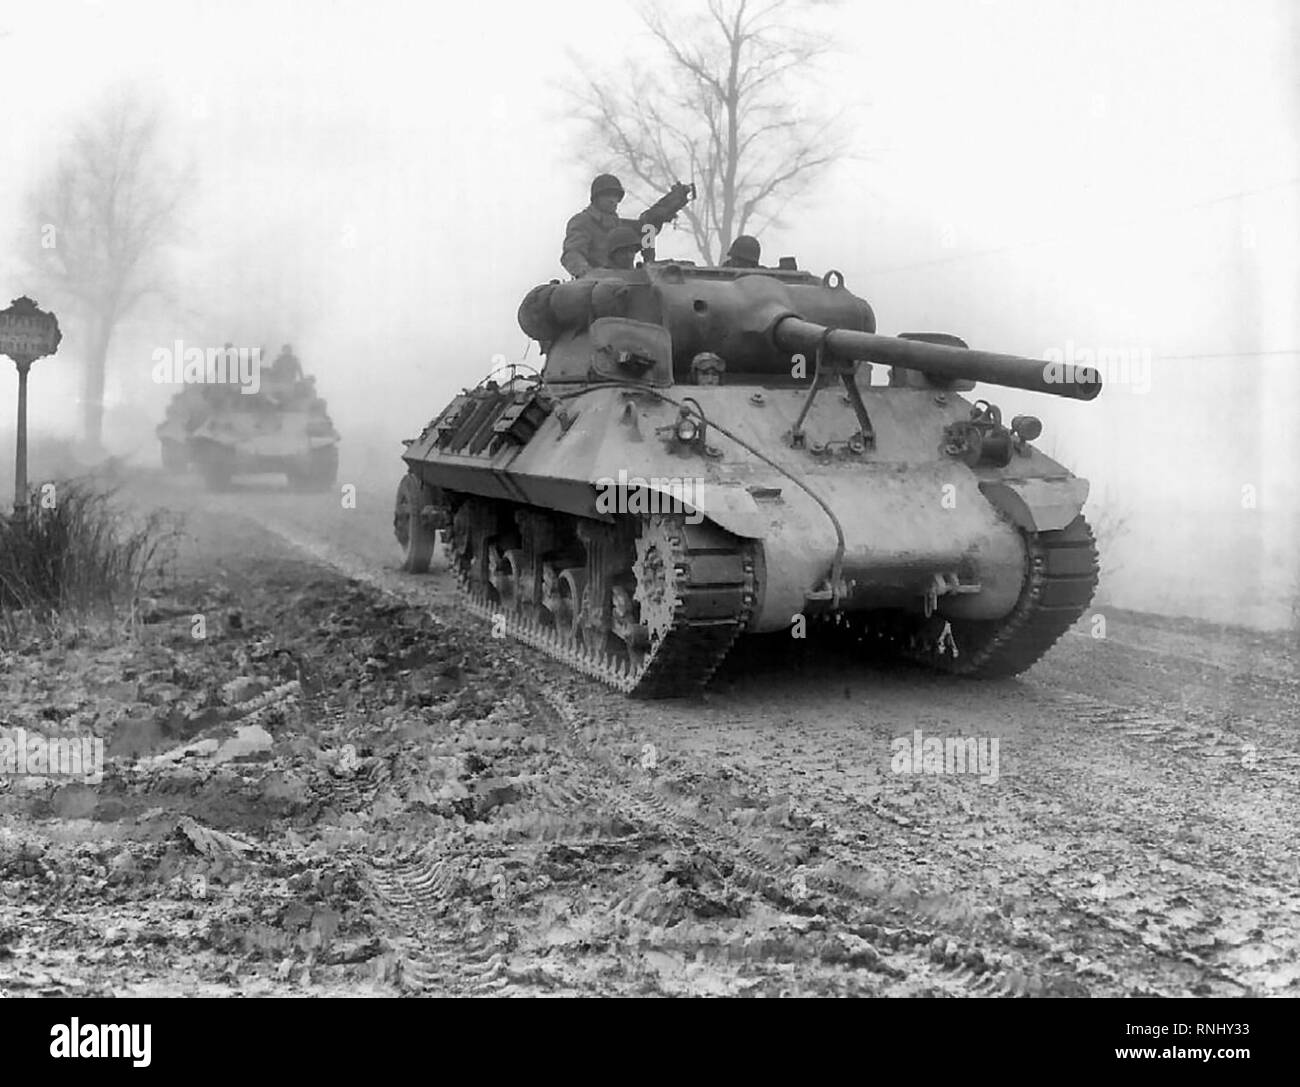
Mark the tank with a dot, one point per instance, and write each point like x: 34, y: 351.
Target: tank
x: 714, y: 452
x: 222, y: 432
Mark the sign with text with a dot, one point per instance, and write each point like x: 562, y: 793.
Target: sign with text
x: 28, y: 333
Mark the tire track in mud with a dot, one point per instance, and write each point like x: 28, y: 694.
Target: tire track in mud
x: 1255, y: 900
x: 1183, y: 738
x: 913, y: 944
x: 1262, y: 946
x: 939, y: 944
x: 1266, y: 672
x: 1187, y: 694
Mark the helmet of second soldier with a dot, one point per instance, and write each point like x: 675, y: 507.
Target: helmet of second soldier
x: 624, y: 244
x: 745, y: 248
x: 606, y: 183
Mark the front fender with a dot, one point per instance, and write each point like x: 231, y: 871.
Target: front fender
x: 728, y: 505
x: 1037, y: 505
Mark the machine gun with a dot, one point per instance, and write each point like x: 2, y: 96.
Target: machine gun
x: 663, y: 210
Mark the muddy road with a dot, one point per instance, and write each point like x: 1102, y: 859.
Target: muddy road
x: 347, y: 784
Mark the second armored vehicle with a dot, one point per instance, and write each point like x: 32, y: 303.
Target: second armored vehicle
x: 222, y: 432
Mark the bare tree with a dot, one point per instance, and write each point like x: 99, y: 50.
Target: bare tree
x: 717, y: 107
x: 103, y: 218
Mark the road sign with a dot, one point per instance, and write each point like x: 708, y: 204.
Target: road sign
x: 26, y: 334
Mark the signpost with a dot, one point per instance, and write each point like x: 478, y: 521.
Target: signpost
x: 26, y: 334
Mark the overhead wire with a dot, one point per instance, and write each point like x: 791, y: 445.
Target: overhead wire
x: 1063, y: 238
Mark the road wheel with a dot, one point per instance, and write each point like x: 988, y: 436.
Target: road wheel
x: 413, y: 534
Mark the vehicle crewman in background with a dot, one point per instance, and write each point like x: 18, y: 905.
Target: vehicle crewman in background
x: 744, y: 253
x: 286, y: 369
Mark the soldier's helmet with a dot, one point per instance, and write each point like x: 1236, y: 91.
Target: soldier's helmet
x: 624, y: 237
x: 708, y: 368
x: 606, y: 183
x: 745, y: 248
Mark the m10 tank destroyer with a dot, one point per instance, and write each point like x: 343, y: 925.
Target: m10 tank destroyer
x: 705, y: 454
x: 223, y: 432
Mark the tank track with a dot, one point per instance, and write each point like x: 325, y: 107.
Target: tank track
x: 1062, y: 575
x: 711, y: 567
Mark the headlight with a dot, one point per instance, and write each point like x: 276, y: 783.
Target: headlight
x: 1026, y: 427
x: 687, y: 429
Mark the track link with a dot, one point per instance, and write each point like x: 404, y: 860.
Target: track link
x: 1061, y: 577
x: 1063, y: 572
x: 710, y: 594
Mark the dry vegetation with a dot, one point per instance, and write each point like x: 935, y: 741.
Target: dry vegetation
x: 73, y: 553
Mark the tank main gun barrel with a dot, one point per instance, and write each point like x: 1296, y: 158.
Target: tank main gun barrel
x: 938, y: 360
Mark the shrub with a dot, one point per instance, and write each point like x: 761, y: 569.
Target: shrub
x: 72, y: 552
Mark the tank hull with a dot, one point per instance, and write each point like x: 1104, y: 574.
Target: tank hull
x: 906, y: 511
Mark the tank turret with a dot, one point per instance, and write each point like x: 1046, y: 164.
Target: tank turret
x: 758, y: 320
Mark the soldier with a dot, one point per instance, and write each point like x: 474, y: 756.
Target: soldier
x: 624, y: 245
x: 744, y: 253
x: 286, y: 369
x: 708, y: 368
x: 586, y: 238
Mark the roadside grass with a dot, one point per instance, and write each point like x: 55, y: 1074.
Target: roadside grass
x: 75, y: 555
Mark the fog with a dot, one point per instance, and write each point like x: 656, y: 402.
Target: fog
x: 379, y: 183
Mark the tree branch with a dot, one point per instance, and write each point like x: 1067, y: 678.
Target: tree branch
x: 718, y: 100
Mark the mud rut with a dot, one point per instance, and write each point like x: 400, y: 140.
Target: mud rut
x: 1201, y: 921
x: 891, y: 939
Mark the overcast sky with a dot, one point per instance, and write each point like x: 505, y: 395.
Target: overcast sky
x: 380, y: 183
